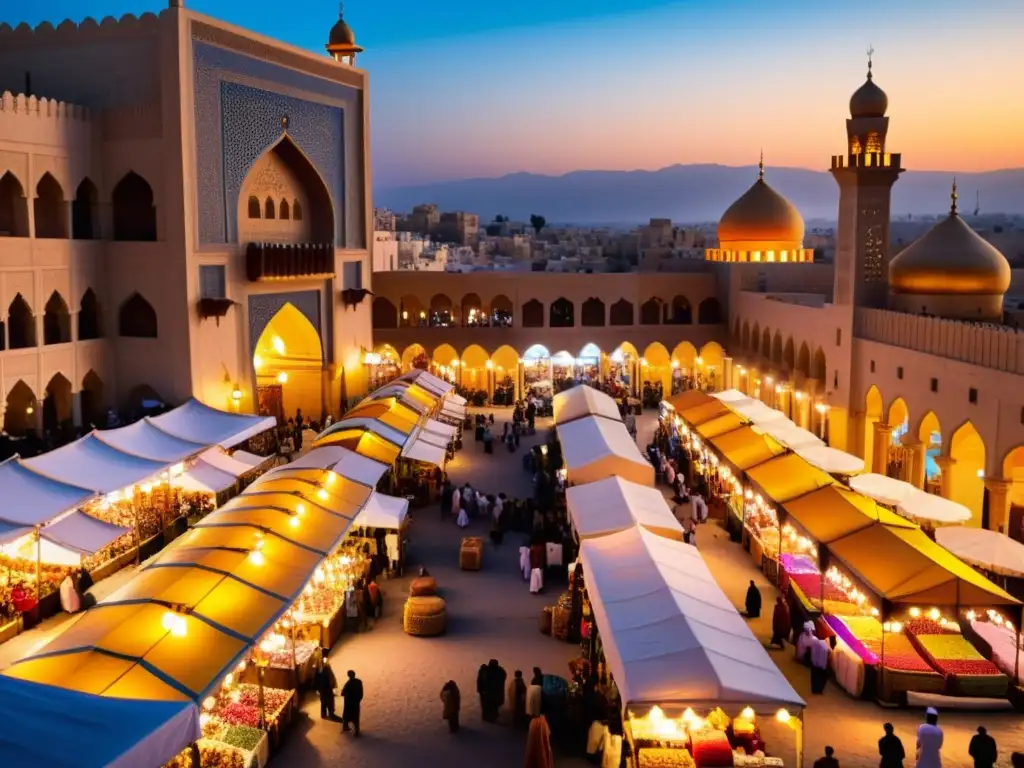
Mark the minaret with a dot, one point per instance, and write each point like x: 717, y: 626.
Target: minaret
x: 341, y: 44
x: 865, y: 175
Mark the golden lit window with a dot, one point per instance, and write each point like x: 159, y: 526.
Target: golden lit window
x: 874, y: 142
x: 784, y: 257
x: 855, y: 146
x: 771, y: 256
x: 756, y: 256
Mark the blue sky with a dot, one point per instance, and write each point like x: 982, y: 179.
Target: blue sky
x: 480, y: 88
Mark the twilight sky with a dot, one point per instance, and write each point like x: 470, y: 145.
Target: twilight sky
x: 463, y: 88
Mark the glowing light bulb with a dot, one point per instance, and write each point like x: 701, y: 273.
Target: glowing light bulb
x: 278, y: 344
x: 971, y: 616
x: 915, y: 612
x: 257, y: 362
x: 174, y: 624
x: 782, y: 716
x: 322, y: 494
x: 257, y: 558
x: 228, y: 680
x: 282, y: 378
x: 293, y: 521
x: 204, y: 720
x: 300, y: 509
x: 934, y: 614
x: 209, y: 703
x: 747, y: 713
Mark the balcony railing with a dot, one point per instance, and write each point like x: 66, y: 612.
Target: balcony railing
x: 273, y: 261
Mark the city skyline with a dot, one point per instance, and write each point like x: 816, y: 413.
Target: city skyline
x: 464, y: 90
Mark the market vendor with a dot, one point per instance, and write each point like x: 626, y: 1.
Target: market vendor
x: 69, y: 599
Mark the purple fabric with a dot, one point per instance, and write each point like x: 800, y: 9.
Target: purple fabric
x: 839, y: 627
x: 797, y: 564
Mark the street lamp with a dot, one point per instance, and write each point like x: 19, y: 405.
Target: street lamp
x: 823, y: 409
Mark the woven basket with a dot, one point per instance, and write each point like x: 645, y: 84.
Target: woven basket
x: 424, y: 586
x: 545, y: 620
x: 471, y: 554
x: 424, y: 616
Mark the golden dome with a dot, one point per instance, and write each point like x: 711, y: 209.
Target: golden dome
x: 869, y: 100
x: 950, y: 259
x: 341, y: 34
x: 761, y: 215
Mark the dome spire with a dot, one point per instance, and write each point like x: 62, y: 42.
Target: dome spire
x: 871, y: 53
x: 953, y: 196
x: 760, y: 167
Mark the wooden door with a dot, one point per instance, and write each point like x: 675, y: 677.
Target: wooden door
x: 271, y: 401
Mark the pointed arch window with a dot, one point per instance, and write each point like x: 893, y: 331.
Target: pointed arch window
x: 21, y: 324
x: 90, y: 324
x: 56, y: 321
x: 134, y: 210
x: 296, y: 211
x: 255, y: 209
x: 137, y: 319
x: 268, y: 209
x: 285, y: 212
x: 84, y: 222
x: 50, y: 209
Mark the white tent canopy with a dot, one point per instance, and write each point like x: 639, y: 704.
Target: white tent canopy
x: 733, y: 398
x: 82, y: 534
x: 145, y: 439
x: 421, y: 449
x: 382, y: 511
x: 457, y: 399
x: 583, y: 400
x: 454, y: 410
x: 792, y: 436
x: 991, y: 550
x: 208, y: 426
x: 428, y: 381
x: 613, y: 504
x: 882, y: 488
x: 761, y: 415
x: 375, y: 426
x: 928, y: 506
x: 596, y: 448
x: 29, y: 498
x: 226, y: 463
x: 400, y: 392
x: 203, y: 477
x: 436, y: 427
x: 831, y: 459
x: 670, y: 634
x: 251, y: 459
x: 349, y: 464
x: 90, y: 463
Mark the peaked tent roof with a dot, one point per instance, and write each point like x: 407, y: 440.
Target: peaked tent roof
x: 103, y: 733
x: 382, y: 511
x: 744, y: 448
x: 583, y: 400
x: 613, y: 504
x: 786, y: 477
x: 30, y: 498
x: 82, y: 534
x: 90, y: 463
x: 596, y: 448
x: 208, y: 426
x: 670, y: 634
x: 341, y: 461
x: 145, y: 439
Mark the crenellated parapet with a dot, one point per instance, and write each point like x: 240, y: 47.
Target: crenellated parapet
x: 12, y: 104
x: 41, y: 122
x: 71, y: 32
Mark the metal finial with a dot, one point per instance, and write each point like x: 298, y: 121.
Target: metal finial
x: 871, y: 52
x: 341, y: 9
x: 953, y: 197
x: 760, y: 167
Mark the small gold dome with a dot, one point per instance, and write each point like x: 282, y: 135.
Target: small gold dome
x: 761, y: 215
x: 341, y: 34
x: 950, y: 259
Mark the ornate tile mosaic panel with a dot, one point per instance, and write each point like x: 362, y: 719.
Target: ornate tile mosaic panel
x: 236, y: 122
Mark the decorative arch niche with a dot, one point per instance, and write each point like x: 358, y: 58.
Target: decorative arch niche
x: 134, y: 209
x: 50, y: 208
x: 56, y: 321
x: 19, y: 413
x: 592, y: 313
x: 280, y: 187
x: 621, y: 313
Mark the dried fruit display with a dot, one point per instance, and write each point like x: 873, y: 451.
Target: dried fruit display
x: 901, y: 655
x: 243, y: 737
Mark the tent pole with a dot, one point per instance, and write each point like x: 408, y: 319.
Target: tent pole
x: 138, y: 533
x: 800, y: 739
x: 1016, y: 659
x: 39, y: 564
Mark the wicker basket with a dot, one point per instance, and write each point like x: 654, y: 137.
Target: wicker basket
x: 545, y: 620
x: 424, y: 616
x: 424, y: 586
x: 471, y: 554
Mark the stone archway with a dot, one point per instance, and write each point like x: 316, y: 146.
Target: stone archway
x: 966, y: 483
x: 385, y: 315
x: 134, y: 209
x: 288, y: 360
x: 20, y: 410
x: 415, y: 356
x: 57, y: 405
x: 93, y: 401
x: 874, y: 409
x: 50, y: 209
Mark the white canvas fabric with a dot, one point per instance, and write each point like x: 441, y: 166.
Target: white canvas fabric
x: 82, y: 534
x: 613, y: 504
x: 595, y: 448
x: 733, y: 397
x: 581, y: 401
x: 90, y: 463
x: 670, y: 634
x: 382, y: 511
x: 928, y: 506
x: 882, y: 488
x: 29, y: 498
x: 991, y: 550
x: 349, y: 464
x: 378, y: 428
x: 831, y: 459
x: 209, y: 426
x: 145, y: 439
x: 229, y: 465
x: 203, y: 477
x: 425, y: 451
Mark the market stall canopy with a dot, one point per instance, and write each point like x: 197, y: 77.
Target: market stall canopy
x: 583, y: 400
x: 411, y: 396
x: 701, y: 414
x: 732, y: 396
x: 252, y: 460
x: 30, y: 498
x: 761, y: 415
x: 421, y: 448
x: 82, y: 534
x: 596, y: 448
x: 991, y: 550
x: 792, y: 436
x: 613, y: 504
x: 379, y: 428
x: 745, y: 448
x: 834, y: 512
x: 831, y: 460
x: 202, y: 477
x: 438, y: 428
x: 689, y: 399
x: 882, y: 488
x: 670, y: 635
x: 225, y: 462
x: 208, y: 426
x: 388, y: 411
x: 11, y: 532
x: 58, y: 728
x: 383, y: 511
x: 90, y: 463
x: 720, y: 425
x: 430, y: 382
x: 341, y: 461
x: 362, y: 441
x: 453, y: 410
x: 902, y: 565
x: 788, y: 476
x: 457, y: 399
x: 928, y: 506
x: 145, y: 439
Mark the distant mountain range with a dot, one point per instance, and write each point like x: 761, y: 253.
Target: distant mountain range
x: 691, y: 193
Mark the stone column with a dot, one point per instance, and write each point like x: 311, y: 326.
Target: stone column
x: 998, y: 503
x: 76, y: 408
x: 727, y: 374
x: 916, y: 470
x: 946, y: 478
x: 883, y: 439
x: 520, y: 381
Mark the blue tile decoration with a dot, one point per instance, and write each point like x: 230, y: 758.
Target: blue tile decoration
x: 236, y: 122
x: 263, y: 307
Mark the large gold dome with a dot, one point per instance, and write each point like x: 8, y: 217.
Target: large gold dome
x: 761, y: 215
x: 950, y: 259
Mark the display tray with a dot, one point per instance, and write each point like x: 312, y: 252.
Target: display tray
x: 997, y: 643
x: 966, y: 671
x: 114, y: 565
x: 11, y: 629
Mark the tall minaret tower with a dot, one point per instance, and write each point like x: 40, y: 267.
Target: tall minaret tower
x: 865, y: 174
